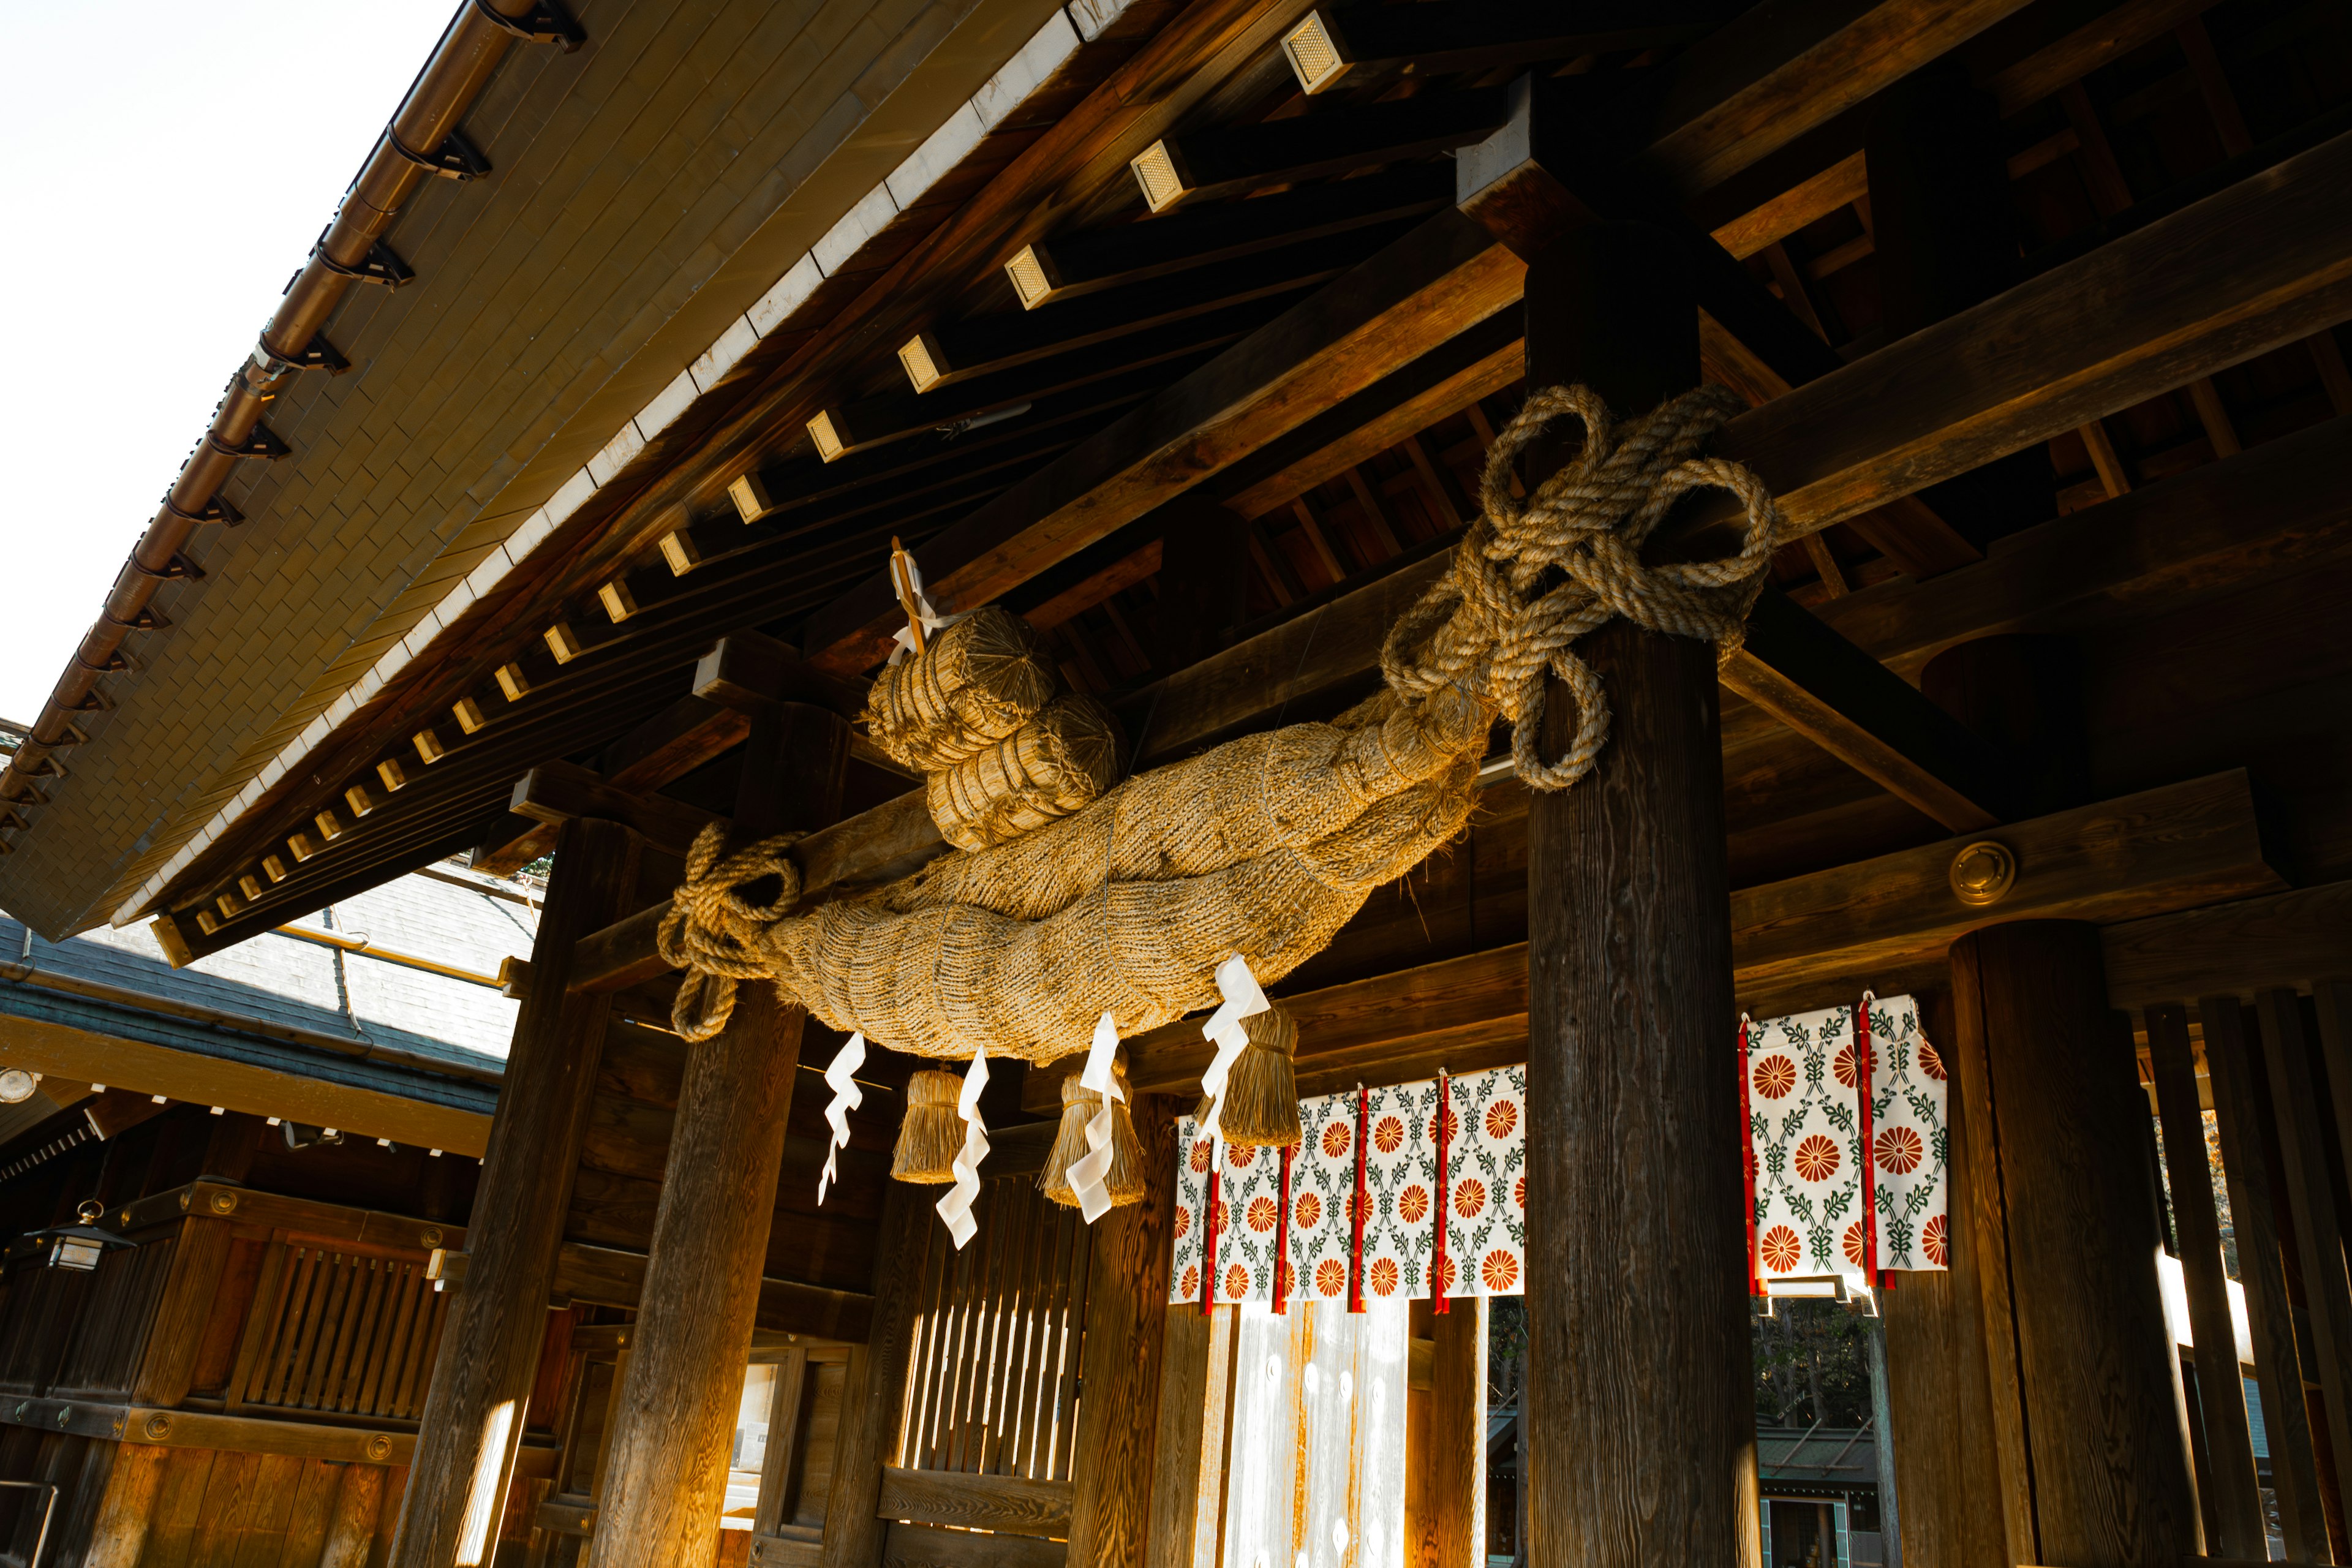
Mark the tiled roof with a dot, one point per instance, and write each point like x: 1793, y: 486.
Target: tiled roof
x: 294, y: 983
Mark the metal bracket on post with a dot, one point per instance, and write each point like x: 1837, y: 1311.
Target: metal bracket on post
x: 178, y: 569
x: 381, y: 265
x: 262, y: 443
x: 547, y: 22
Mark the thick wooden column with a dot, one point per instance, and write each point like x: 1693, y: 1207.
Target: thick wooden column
x: 1126, y: 1336
x: 665, y: 1473
x: 1453, y: 1467
x: 875, y: 1380
x: 482, y: 1377
x: 2104, y: 1452
x: 1643, y: 1436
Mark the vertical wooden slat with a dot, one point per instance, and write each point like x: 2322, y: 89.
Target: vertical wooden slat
x: 334, y: 1321
x: 383, y: 1386
x: 2246, y: 1171
x: 1073, y: 1316
x: 127, y: 1512
x: 358, y: 1277
x: 785, y: 1441
x: 356, y: 1525
x: 1983, y: 1210
x: 260, y: 1326
x: 1021, y: 1439
x: 301, y: 1305
x: 367, y: 1335
x: 312, y: 1512
x: 2318, y: 1226
x: 870, y: 1388
x: 195, y: 1260
x: 923, y: 1352
x: 1188, y: 1451
x: 2236, y: 1494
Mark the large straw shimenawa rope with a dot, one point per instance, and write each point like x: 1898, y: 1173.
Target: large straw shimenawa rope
x: 979, y: 681
x: 1267, y: 845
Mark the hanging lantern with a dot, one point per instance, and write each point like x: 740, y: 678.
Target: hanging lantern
x: 1261, y: 1099
x: 1124, y: 1184
x: 77, y: 1246
x: 932, y: 1134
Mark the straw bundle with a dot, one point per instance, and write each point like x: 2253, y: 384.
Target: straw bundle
x: 1262, y: 1087
x: 1079, y: 1103
x: 1128, y: 906
x: 976, y: 682
x: 932, y: 1134
x: 1052, y: 765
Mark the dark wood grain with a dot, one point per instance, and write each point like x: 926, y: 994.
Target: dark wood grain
x: 1454, y: 1466
x: 868, y: 1437
x: 1951, y: 1504
x: 933, y: 1546
x: 1014, y: 1505
x: 2234, y: 1492
x: 489, y: 1350
x: 1637, y: 1318
x: 2096, y: 1368
x: 1124, y: 1349
x: 610, y: 1276
x: 1188, y: 1460
x: 2248, y: 1169
x: 664, y: 1475
x: 2254, y: 944
x: 2318, y: 1222
x: 557, y: 792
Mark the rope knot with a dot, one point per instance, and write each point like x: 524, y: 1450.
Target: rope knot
x: 1532, y: 576
x: 714, y: 933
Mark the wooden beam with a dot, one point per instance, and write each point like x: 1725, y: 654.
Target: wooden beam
x: 1091, y: 259
x: 989, y: 345
x: 478, y: 1400
x: 1768, y: 76
x: 2182, y: 847
x: 64, y: 1051
x: 1446, y: 276
x: 608, y: 1277
x: 1231, y: 160
x: 1079, y: 597
x: 1356, y: 44
x: 2288, y: 940
x: 875, y: 846
x: 1804, y: 203
x: 561, y: 791
x: 1804, y: 674
x: 2262, y: 263
x: 749, y: 673
x: 1013, y: 1505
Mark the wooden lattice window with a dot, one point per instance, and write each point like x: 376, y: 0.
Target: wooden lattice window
x: 338, y: 1326
x: 993, y: 1380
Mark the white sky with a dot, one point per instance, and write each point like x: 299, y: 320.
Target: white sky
x: 169, y: 163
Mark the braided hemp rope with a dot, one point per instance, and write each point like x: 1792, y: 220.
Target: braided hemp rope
x: 713, y: 933
x: 1532, y: 576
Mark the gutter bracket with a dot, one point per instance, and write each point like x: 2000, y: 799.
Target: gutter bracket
x: 455, y: 159
x: 381, y: 265
x: 219, y: 509
x: 547, y: 22
x: 262, y: 443
x: 179, y: 568
x: 317, y: 354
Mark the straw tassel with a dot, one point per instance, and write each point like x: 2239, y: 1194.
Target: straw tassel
x: 1125, y: 1183
x: 1261, y: 1095
x: 932, y: 1134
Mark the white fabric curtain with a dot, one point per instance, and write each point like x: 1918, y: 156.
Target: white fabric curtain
x: 1315, y: 1476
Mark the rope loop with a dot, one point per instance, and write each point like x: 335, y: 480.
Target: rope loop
x: 1532, y: 576
x: 713, y: 932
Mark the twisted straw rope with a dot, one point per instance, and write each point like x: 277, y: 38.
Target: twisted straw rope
x: 713, y: 933
x: 1532, y: 577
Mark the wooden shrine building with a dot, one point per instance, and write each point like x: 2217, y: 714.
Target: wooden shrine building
x: 553, y: 514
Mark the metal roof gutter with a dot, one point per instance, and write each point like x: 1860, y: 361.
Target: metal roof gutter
x: 421, y: 142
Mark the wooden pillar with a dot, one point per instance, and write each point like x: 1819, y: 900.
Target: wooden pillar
x: 874, y: 1382
x: 2232, y: 1493
x: 2247, y: 1167
x: 2065, y: 1128
x: 666, y: 1470
x: 126, y: 1509
x: 474, y: 1409
x: 1127, y: 1312
x: 1638, y: 1397
x: 1453, y: 1468
x: 350, y: 1531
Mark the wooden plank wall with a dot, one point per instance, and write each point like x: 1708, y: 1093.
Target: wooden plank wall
x: 618, y: 1188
